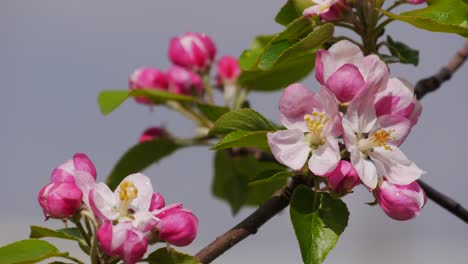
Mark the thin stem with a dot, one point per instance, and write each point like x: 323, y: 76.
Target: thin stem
x: 73, y: 259
x: 199, y: 120
x: 95, y: 259
x: 390, y: 8
x: 241, y: 96
x: 346, y: 25
x: 208, y: 87
x: 83, y: 232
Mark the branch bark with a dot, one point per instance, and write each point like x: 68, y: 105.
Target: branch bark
x: 446, y: 202
x: 434, y: 82
x: 249, y: 226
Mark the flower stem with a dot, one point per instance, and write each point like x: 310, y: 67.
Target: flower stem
x: 208, y: 87
x: 195, y: 117
x: 73, y: 259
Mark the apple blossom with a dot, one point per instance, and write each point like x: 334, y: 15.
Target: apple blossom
x: 343, y: 178
x: 373, y: 143
x: 400, y: 202
x: 176, y: 225
x: 183, y: 81
x: 192, y: 50
x: 228, y: 69
x: 328, y: 10
x: 60, y: 199
x: 122, y: 240
x: 345, y: 71
x: 148, y: 78
x: 398, y: 98
x: 313, y: 124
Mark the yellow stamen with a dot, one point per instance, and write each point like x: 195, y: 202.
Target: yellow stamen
x: 381, y: 137
x: 127, y: 193
x: 315, y: 123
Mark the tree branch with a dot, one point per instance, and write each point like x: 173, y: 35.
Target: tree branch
x: 446, y: 202
x: 434, y: 82
x: 278, y: 201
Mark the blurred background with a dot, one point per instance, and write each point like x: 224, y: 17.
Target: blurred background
x: 55, y: 57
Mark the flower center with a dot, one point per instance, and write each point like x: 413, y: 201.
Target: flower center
x: 127, y: 193
x: 315, y: 123
x: 378, y: 139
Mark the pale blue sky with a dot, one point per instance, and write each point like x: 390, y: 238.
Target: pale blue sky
x: 55, y: 56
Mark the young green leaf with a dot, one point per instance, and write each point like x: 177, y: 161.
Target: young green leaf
x: 248, y: 59
x: 241, y: 138
x: 318, y: 221
x: 450, y: 16
x: 28, y: 251
x: 244, y: 119
x: 291, y: 10
x: 66, y: 233
x: 403, y: 52
x: 269, y: 176
x: 140, y: 157
x: 170, y: 256
x: 232, y: 175
x: 212, y: 112
x: 109, y: 100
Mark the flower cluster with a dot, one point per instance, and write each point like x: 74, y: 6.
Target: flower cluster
x: 192, y: 55
x: 349, y: 132
x: 126, y: 220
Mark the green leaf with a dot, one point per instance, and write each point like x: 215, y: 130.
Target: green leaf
x: 28, y: 251
x: 171, y: 256
x: 140, y: 157
x: 267, y: 177
x: 232, y: 175
x: 212, y: 112
x: 291, y: 10
x: 249, y: 57
x: 403, y: 52
x: 287, y: 58
x: 109, y: 100
x: 450, y: 16
x: 66, y: 233
x: 244, y: 119
x: 241, y: 138
x: 318, y: 221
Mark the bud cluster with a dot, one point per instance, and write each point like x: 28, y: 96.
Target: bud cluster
x: 126, y: 220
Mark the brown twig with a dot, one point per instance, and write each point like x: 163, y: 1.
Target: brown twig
x: 278, y: 201
x: 434, y: 82
x: 446, y: 202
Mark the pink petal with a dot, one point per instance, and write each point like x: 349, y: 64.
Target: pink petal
x: 289, y: 147
x: 345, y: 83
x: 83, y: 163
x: 296, y: 102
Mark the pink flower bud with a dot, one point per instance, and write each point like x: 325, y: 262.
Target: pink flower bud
x: 177, y: 226
x: 416, y: 2
x: 122, y: 240
x: 228, y: 69
x: 182, y: 81
x: 192, y: 50
x: 60, y: 199
x: 401, y: 202
x: 343, y: 179
x: 83, y: 163
x: 157, y: 202
x: 152, y: 133
x: 148, y: 78
x: 328, y: 10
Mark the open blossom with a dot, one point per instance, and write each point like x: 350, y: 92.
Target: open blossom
x: 400, y: 202
x: 122, y: 240
x: 398, y: 98
x: 313, y: 124
x: 373, y: 143
x: 345, y: 71
x: 193, y: 51
x: 328, y: 10
x: 183, y: 81
x: 148, y: 78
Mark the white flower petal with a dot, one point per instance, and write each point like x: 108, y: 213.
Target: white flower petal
x: 103, y: 202
x: 325, y: 158
x: 395, y: 166
x: 86, y: 183
x: 145, y: 191
x: 289, y: 147
x: 365, y: 169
